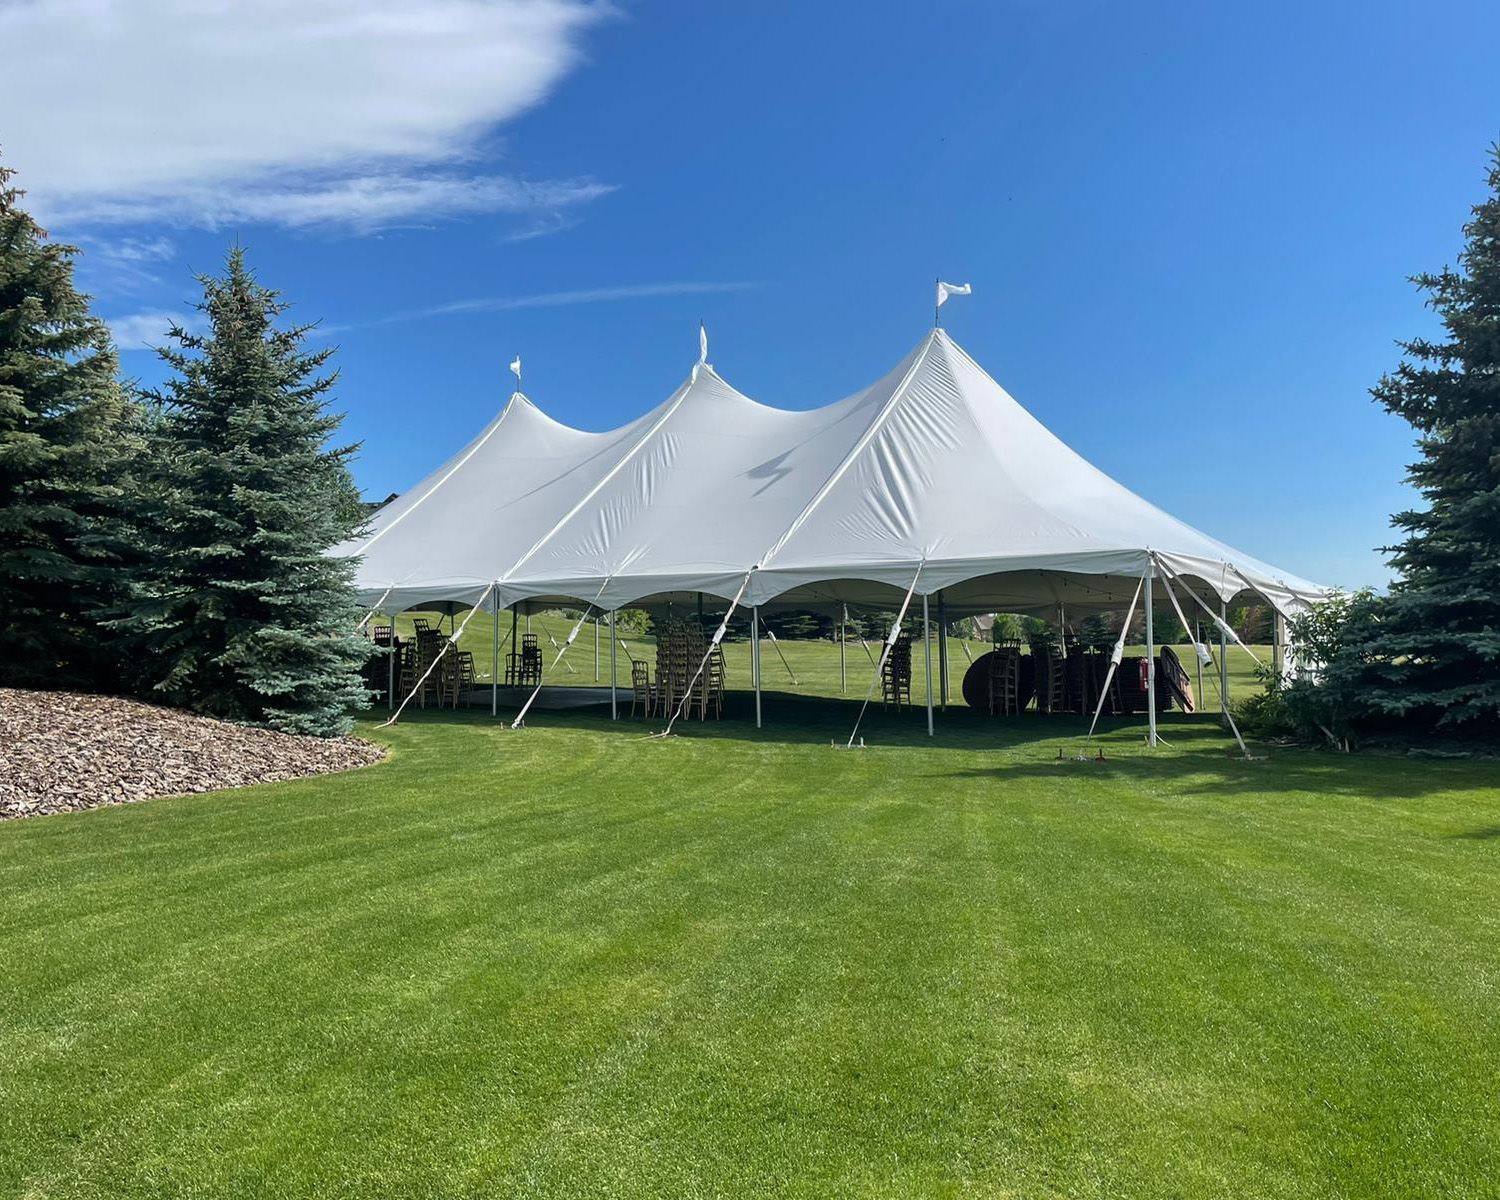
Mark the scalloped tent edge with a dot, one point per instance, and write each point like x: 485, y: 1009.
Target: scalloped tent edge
x: 933, y: 465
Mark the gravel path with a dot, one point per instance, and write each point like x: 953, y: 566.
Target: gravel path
x: 64, y: 751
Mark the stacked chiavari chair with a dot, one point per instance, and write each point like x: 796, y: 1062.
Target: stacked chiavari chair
x: 1005, y: 679
x: 895, y: 676
x: 642, y: 691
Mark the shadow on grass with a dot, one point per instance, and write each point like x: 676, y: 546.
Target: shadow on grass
x: 1199, y: 757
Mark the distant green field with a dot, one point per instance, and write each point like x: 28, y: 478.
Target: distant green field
x: 810, y: 668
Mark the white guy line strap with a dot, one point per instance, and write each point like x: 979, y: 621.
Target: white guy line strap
x: 1114, y: 659
x: 563, y: 649
x: 885, y: 651
x: 717, y: 638
x: 449, y: 644
x: 1171, y: 595
x: 1223, y: 626
x: 375, y: 608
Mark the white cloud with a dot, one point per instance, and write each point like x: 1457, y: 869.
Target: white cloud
x: 299, y: 112
x: 147, y: 330
x: 598, y: 295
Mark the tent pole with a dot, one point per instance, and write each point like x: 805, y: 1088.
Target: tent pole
x: 1223, y: 664
x: 495, y: 654
x: 596, y: 649
x: 614, y: 705
x: 1198, y: 637
x: 927, y: 653
x: 843, y: 671
x: 942, y: 652
x: 528, y: 618
x: 1150, y: 662
x: 755, y: 658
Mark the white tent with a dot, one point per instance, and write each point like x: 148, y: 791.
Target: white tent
x: 934, y: 477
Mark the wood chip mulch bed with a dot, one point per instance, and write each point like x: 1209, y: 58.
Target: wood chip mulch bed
x: 64, y: 751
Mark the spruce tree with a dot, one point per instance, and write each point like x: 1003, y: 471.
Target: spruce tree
x: 241, y: 613
x: 67, y: 432
x: 1435, y: 654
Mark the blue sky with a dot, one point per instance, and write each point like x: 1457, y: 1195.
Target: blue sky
x: 1187, y: 226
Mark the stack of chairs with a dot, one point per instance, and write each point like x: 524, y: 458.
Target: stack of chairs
x: 1005, y: 679
x: 1048, y: 662
x: 524, y: 668
x: 458, y: 676
x: 1079, y: 691
x: 679, y: 650
x: 416, y: 657
x: 895, y: 676
x: 708, y: 691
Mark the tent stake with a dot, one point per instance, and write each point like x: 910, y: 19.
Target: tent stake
x: 927, y: 653
x: 1150, y: 661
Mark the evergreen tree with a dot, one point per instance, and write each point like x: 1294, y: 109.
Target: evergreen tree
x: 241, y: 612
x: 66, y: 436
x: 1436, y: 652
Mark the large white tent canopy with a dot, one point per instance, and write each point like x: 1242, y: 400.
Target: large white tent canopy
x: 932, y: 475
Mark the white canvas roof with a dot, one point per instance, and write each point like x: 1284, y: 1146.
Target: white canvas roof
x: 934, y: 466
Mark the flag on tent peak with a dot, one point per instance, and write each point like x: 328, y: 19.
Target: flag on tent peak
x: 944, y: 290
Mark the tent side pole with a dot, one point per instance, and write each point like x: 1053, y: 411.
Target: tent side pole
x: 390, y: 670
x: 755, y: 659
x: 942, y: 652
x: 1198, y: 637
x: 495, y: 653
x: 1150, y: 662
x: 1223, y: 664
x: 596, y: 649
x: 927, y: 654
x: 843, y: 669
x: 614, y: 704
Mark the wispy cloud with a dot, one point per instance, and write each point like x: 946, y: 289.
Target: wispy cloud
x: 597, y: 295
x: 147, y: 330
x: 361, y: 113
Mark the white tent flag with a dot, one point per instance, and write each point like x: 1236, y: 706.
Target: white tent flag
x: 515, y: 369
x: 944, y: 290
x: 702, y: 342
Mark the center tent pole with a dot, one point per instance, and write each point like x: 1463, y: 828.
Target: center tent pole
x: 614, y: 704
x: 942, y: 652
x: 596, y: 649
x: 1150, y: 662
x: 927, y: 652
x: 755, y: 658
x: 495, y: 655
x: 843, y: 672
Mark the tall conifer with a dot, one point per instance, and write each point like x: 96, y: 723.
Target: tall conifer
x: 241, y: 613
x: 67, y: 433
x: 1435, y: 655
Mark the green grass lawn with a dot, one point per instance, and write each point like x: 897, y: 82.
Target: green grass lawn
x: 570, y: 962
